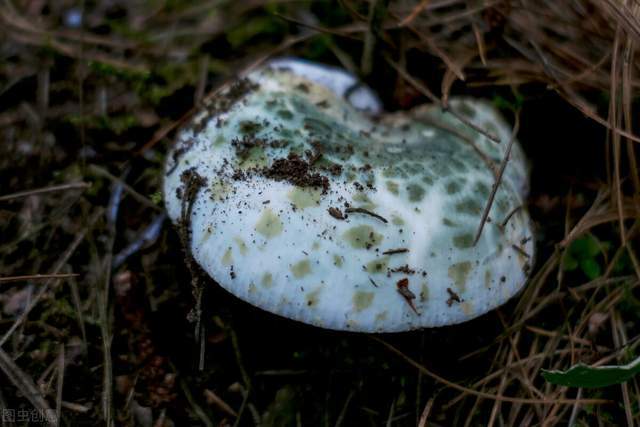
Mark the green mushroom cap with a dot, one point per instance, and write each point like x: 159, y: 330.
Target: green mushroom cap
x: 308, y: 208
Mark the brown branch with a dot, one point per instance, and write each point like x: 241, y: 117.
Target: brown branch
x: 61, y: 187
x: 501, y: 170
x: 37, y: 277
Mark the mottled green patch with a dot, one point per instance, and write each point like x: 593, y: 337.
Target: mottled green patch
x: 487, y: 279
x: 377, y: 266
x: 249, y: 127
x: 458, y: 165
x: 206, y: 235
x: 442, y: 168
x: 413, y: 168
x: 416, y: 192
x: 466, y: 110
x: 381, y: 317
x: 286, y: 134
x: 395, y: 172
x: 427, y: 179
x: 285, y: 114
x: 467, y: 308
x: 270, y: 104
x: 252, y: 288
x: 304, y: 197
x: 424, y: 292
x: 463, y: 241
x: 362, y: 300
x: 301, y: 268
x: 396, y: 220
x: 390, y: 172
x: 459, y: 272
x: 469, y: 206
x: 312, y: 297
x: 267, y: 280
x: 338, y: 260
x: 453, y: 187
x: 269, y: 224
x: 481, y: 188
x: 227, y: 258
x: 327, y: 164
x: 255, y: 157
x: 315, y: 246
x: 363, y: 201
x: 318, y: 127
x: 369, y: 179
x: 447, y: 222
x: 362, y: 237
x: 219, y: 190
x: 241, y: 245
x: 219, y: 140
x: 503, y: 205
x: 392, y: 186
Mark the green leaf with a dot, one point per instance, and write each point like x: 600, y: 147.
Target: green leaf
x: 581, y: 375
x: 590, y: 268
x: 585, y: 247
x: 569, y: 262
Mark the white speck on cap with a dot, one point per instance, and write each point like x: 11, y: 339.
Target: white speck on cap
x: 313, y: 211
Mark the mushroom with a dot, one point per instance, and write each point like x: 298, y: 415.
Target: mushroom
x: 305, y: 206
x: 338, y: 81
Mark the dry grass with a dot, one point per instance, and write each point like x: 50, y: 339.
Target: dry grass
x: 94, y: 295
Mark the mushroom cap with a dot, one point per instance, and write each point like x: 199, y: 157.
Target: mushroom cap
x: 340, y: 82
x: 310, y: 209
